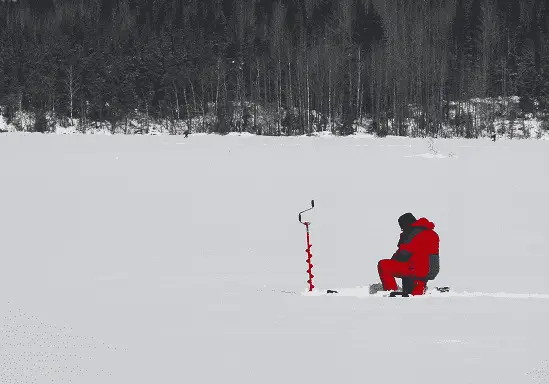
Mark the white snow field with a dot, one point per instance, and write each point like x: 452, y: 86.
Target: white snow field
x: 160, y: 260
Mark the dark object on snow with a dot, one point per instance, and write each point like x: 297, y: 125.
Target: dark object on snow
x: 403, y: 293
x: 186, y: 133
x: 493, y: 137
x: 398, y: 293
x: 331, y: 291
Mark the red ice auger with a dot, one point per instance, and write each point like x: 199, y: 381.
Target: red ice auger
x: 308, y: 250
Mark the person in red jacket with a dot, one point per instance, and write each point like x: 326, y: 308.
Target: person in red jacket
x: 417, y: 259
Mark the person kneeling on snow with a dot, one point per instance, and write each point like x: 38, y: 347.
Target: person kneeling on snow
x: 417, y: 259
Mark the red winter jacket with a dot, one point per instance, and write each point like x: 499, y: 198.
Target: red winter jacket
x: 419, y: 247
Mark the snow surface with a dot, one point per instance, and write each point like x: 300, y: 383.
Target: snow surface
x: 159, y: 259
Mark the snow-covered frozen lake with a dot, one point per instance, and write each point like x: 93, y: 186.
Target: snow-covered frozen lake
x: 139, y: 259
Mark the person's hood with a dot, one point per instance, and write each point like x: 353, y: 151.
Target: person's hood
x: 425, y: 223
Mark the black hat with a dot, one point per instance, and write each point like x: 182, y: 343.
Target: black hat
x: 406, y: 220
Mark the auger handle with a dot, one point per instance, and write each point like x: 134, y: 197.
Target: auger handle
x: 312, y: 206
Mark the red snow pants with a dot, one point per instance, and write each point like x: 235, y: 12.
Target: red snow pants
x: 390, y: 269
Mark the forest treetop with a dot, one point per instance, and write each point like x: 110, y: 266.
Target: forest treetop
x: 304, y: 61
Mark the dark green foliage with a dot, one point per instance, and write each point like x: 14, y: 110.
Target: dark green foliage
x: 309, y: 64
x: 41, y: 123
x: 347, y: 127
x: 247, y: 120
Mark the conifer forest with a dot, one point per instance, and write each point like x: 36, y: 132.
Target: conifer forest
x: 276, y: 67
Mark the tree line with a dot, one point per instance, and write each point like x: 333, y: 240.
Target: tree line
x: 279, y: 67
